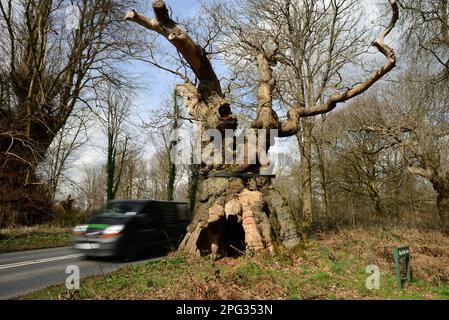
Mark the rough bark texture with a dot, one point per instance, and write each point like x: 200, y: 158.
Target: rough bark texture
x: 236, y: 214
x: 231, y: 215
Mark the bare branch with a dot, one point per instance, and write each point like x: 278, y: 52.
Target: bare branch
x: 192, y: 52
x: 425, y: 173
x: 291, y: 125
x: 388, y: 52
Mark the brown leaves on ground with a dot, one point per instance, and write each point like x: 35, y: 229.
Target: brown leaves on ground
x: 330, y: 266
x: 429, y: 249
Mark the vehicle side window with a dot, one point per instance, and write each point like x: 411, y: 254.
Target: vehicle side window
x: 167, y: 212
x: 152, y: 213
x: 182, y: 211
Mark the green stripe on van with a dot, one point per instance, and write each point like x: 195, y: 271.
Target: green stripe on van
x: 98, y: 226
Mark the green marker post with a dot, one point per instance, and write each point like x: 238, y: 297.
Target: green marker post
x: 402, y: 258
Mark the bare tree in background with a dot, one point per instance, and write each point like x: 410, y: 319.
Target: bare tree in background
x: 309, y: 45
x: 419, y: 124
x: 238, y: 211
x: 91, y: 190
x: 366, y: 176
x: 367, y: 165
x: 49, y: 66
x: 333, y: 38
x: 114, y: 116
x: 162, y: 126
x: 61, y: 155
x: 426, y: 29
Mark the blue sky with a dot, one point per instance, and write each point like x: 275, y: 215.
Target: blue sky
x: 154, y: 86
x: 158, y: 83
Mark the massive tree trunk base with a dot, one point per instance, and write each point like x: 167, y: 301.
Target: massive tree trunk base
x: 23, y: 200
x: 239, y: 215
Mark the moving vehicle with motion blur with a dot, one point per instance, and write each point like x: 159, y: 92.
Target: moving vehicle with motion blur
x: 125, y: 228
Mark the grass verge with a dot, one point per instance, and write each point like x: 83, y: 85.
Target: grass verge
x: 38, y: 237
x: 331, y: 266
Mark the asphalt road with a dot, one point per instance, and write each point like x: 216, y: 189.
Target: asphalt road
x: 27, y: 271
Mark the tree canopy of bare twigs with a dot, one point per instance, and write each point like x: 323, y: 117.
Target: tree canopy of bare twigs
x: 259, y: 31
x: 53, y: 55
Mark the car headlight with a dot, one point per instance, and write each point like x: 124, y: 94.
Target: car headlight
x: 80, y: 229
x: 112, y: 231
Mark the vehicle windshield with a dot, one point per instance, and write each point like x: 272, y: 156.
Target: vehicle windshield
x: 125, y: 208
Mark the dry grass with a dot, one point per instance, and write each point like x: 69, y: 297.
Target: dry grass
x: 36, y: 237
x: 430, y: 249
x: 331, y: 266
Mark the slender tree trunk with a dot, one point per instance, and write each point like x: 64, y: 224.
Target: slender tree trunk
x: 110, y: 170
x: 377, y: 206
x: 440, y: 182
x: 115, y: 171
x: 306, y: 168
x: 443, y: 210
x: 193, y: 185
x: 171, y: 181
x: 172, y: 167
x: 323, y: 180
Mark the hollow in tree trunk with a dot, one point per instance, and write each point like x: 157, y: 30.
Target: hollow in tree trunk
x: 238, y: 214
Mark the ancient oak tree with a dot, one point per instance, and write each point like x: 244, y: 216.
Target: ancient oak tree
x: 237, y: 212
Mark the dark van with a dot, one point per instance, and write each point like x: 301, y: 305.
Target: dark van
x: 125, y: 228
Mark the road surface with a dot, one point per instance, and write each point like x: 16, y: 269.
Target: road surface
x: 27, y: 271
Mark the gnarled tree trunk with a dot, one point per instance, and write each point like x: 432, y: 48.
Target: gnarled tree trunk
x: 238, y: 212
x: 232, y: 214
x: 22, y: 199
x: 439, y: 178
x: 440, y: 182
x: 443, y: 209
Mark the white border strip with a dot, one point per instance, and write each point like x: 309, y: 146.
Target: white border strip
x: 27, y: 263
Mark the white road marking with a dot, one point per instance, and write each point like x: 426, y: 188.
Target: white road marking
x: 26, y: 263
